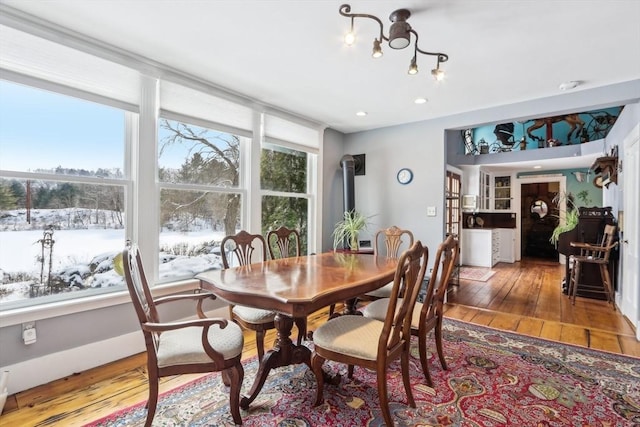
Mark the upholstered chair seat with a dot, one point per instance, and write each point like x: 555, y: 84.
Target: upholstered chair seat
x: 351, y: 335
x: 184, y: 346
x: 253, y: 315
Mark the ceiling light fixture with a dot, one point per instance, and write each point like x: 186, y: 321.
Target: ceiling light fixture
x: 361, y: 113
x: 399, y: 38
x: 420, y: 100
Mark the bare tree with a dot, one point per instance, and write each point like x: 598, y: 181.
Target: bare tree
x: 213, y: 158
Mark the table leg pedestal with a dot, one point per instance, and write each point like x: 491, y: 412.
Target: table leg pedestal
x: 284, y: 353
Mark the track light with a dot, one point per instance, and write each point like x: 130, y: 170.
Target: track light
x: 413, y: 68
x: 377, y: 49
x: 399, y: 38
x: 437, y: 73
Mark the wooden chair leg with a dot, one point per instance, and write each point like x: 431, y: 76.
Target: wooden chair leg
x: 316, y: 366
x: 350, y: 371
x: 406, y: 379
x: 606, y: 282
x: 260, y: 344
x: 332, y: 308
x: 438, y: 337
x: 384, y: 398
x: 575, y: 279
x: 301, y: 324
x: 226, y: 379
x: 424, y: 359
x: 236, y: 375
x: 152, y: 403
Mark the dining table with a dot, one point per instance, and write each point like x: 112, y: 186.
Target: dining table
x: 295, y: 288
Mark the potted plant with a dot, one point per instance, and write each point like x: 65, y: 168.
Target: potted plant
x: 572, y: 215
x: 348, y: 229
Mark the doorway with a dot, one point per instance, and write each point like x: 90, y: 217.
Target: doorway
x: 539, y: 217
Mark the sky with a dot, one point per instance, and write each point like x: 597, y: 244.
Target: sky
x: 43, y: 130
x: 39, y: 129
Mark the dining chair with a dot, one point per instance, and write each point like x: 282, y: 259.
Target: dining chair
x: 247, y: 248
x: 394, y: 244
x: 284, y: 243
x: 427, y: 315
x: 598, y: 255
x: 184, y: 347
x: 371, y: 343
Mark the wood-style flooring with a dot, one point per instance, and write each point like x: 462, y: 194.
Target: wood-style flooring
x: 524, y: 297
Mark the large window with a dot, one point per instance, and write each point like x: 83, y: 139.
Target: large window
x: 95, y: 152
x: 198, y: 209
x: 62, y: 195
x: 283, y: 173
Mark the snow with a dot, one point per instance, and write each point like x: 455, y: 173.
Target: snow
x: 83, y: 258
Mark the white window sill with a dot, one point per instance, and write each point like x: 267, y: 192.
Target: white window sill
x: 78, y: 305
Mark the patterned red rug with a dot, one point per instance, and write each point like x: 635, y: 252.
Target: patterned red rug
x: 495, y: 378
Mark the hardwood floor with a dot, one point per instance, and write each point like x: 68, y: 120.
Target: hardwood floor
x: 524, y: 297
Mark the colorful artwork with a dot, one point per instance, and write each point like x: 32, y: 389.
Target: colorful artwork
x: 567, y: 129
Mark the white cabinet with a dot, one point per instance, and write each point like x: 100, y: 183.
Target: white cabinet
x: 507, y: 244
x: 485, y: 191
x: 477, y: 247
x: 487, y: 247
x: 502, y: 193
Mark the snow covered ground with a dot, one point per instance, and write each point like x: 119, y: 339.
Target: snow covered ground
x: 83, y: 258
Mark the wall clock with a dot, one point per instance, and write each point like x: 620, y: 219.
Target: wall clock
x: 405, y: 176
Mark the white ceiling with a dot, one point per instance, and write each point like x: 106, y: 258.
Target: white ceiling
x: 290, y: 54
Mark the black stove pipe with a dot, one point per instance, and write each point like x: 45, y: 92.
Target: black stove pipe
x: 348, y: 164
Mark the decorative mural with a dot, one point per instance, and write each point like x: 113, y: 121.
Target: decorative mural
x: 547, y: 132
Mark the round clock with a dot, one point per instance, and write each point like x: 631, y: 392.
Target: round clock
x: 405, y: 176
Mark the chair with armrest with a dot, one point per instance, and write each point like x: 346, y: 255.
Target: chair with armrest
x: 597, y: 254
x: 247, y: 248
x: 186, y: 347
x: 283, y: 243
x: 428, y: 315
x: 371, y: 343
x: 394, y: 244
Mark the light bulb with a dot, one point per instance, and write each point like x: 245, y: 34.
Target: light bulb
x: 349, y: 38
x: 377, y: 49
x: 437, y: 74
x: 413, y: 68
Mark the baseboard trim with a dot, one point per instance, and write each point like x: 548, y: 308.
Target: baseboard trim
x: 54, y: 366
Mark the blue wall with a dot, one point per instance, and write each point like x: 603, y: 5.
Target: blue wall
x: 594, y: 194
x: 589, y: 126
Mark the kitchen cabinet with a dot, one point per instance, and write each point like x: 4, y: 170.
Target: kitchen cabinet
x: 507, y: 244
x: 485, y: 191
x: 486, y: 247
x: 502, y: 193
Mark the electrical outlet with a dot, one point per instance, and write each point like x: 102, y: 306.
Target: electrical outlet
x: 29, y: 333
x: 431, y: 211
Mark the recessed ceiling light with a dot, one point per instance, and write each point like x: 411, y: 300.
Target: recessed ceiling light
x: 569, y: 85
x: 361, y: 113
x: 420, y: 100
x: 537, y: 167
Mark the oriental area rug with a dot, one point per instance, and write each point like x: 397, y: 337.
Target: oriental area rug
x: 495, y: 378
x: 475, y: 273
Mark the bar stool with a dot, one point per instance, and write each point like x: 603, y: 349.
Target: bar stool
x: 594, y: 254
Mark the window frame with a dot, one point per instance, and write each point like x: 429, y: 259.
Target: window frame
x: 140, y: 163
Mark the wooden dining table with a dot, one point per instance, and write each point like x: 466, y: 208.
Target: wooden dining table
x: 294, y: 288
